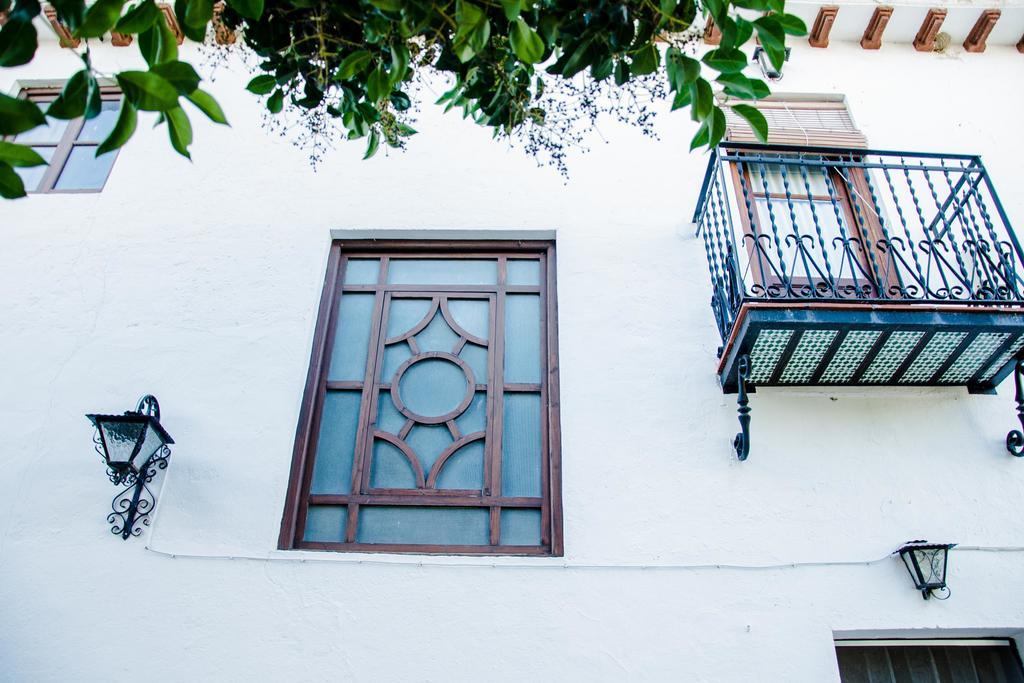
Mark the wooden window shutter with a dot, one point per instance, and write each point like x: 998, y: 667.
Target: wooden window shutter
x: 817, y: 123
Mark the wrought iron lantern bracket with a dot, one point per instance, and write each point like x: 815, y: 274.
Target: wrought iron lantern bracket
x: 131, y: 507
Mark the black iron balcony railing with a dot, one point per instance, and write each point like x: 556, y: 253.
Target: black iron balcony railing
x: 851, y: 225
x: 853, y: 266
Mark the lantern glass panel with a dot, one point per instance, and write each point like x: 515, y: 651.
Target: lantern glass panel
x: 152, y: 443
x: 932, y: 563
x: 119, y: 439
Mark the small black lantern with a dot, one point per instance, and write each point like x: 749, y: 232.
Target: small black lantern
x: 927, y: 563
x: 134, y: 447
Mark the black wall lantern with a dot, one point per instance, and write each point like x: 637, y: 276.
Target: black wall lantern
x: 927, y: 563
x: 134, y: 447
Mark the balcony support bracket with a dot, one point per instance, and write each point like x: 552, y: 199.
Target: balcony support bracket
x: 1015, y: 439
x: 742, y: 441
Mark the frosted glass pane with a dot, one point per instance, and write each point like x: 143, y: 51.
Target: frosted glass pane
x: 388, y: 417
x: 361, y: 271
x: 433, y: 387
x: 51, y: 132
x: 442, y: 272
x: 84, y: 170
x: 424, y: 525
x: 520, y: 272
x: 390, y: 469
x: 472, y: 315
x: 831, y: 229
x: 326, y: 523
x: 797, y: 187
x: 332, y: 469
x: 522, y: 338
x: 521, y: 447
x: 520, y: 526
x: 352, y: 337
x: 475, y: 417
x: 437, y: 336
x: 394, y: 356
x: 33, y: 175
x: 403, y: 314
x: 428, y: 442
x: 97, y: 129
x: 465, y: 469
x: 476, y: 358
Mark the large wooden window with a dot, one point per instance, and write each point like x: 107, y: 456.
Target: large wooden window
x: 69, y: 147
x: 803, y: 217
x: 430, y: 417
x: 930, y: 661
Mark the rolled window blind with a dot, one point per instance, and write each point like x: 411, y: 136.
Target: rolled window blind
x: 824, y: 124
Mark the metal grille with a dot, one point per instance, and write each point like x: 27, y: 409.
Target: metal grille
x: 808, y: 354
x: 1003, y: 358
x: 936, y: 352
x: 850, y: 355
x: 895, y: 351
x: 768, y: 348
x: 971, y: 360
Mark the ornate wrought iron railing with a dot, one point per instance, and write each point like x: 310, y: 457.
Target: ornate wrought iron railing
x: 798, y: 224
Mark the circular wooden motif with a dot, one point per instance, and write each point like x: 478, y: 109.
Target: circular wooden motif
x: 467, y: 398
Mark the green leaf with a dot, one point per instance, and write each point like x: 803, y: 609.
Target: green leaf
x: 755, y: 118
x: 250, y: 9
x: 179, y: 74
x: 717, y: 127
x: 262, y: 84
x: 148, y: 91
x: 602, y: 69
x: 18, y: 42
x: 527, y: 43
x: 93, y: 98
x: 71, y: 102
x: 198, y: 13
x: 682, y: 99
x: 205, y: 103
x: 726, y: 60
x: 773, y: 39
x: 387, y: 5
x: 703, y: 99
x: 20, y: 155
x: 351, y: 65
x: 11, y: 186
x: 739, y: 85
x: 377, y: 85
x: 158, y: 44
x: 139, y: 18
x: 792, y: 25
x: 400, y: 101
x: 124, y: 128
x: 100, y: 18
x: 372, y: 145
x: 275, y: 103
x: 645, y: 61
x: 702, y: 136
x: 621, y: 72
x: 399, y: 63
x: 473, y: 33
x: 180, y: 130
x: 512, y: 8
x: 18, y: 115
x: 681, y: 70
x: 744, y: 29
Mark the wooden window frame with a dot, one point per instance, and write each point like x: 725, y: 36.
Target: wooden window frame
x: 67, y: 143
x: 298, y: 497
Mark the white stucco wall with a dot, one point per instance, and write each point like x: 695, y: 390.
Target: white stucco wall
x: 199, y: 282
